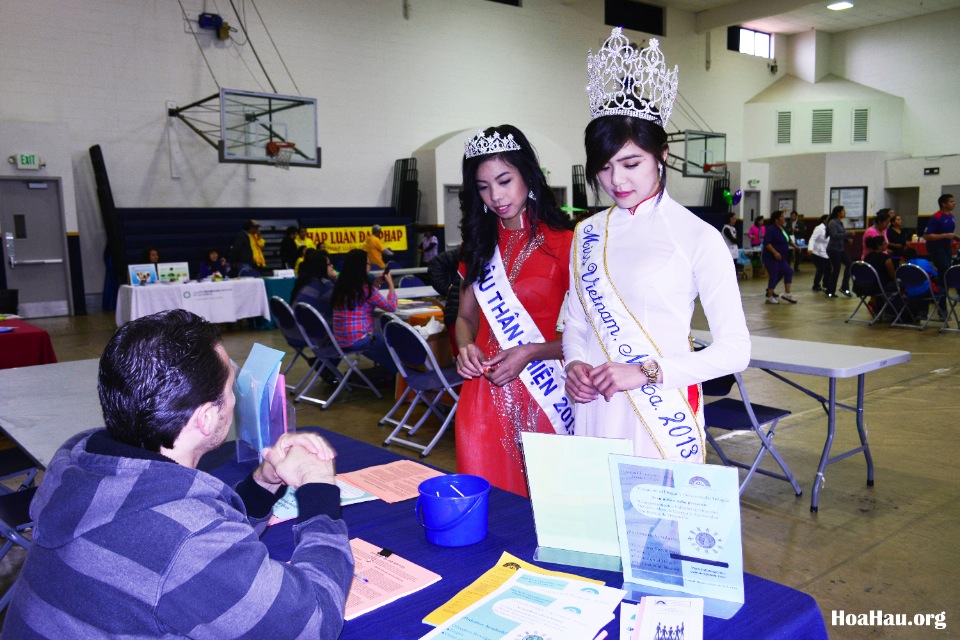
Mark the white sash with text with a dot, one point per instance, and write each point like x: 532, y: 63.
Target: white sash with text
x: 512, y: 326
x: 666, y: 414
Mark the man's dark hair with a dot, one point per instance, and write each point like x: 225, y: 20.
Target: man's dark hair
x: 875, y: 242
x: 155, y: 372
x: 942, y: 200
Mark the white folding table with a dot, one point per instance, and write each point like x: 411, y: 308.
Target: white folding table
x: 831, y: 361
x: 225, y: 301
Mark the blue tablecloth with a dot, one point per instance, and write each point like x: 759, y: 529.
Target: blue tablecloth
x: 771, y: 610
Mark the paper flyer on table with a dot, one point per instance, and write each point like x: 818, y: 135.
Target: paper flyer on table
x: 628, y: 619
x: 392, y: 482
x: 679, y: 526
x: 489, y: 582
x: 287, y: 507
x: 535, y: 605
x: 664, y: 618
x: 380, y: 577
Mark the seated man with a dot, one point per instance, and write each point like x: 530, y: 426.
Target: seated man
x: 132, y: 540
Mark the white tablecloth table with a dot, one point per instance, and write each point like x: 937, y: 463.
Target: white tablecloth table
x: 226, y: 301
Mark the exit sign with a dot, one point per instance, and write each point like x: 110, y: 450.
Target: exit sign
x: 29, y: 161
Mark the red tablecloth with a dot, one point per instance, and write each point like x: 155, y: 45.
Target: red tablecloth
x: 25, y: 346
x: 921, y: 248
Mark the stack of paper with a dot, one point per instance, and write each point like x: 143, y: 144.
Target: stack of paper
x: 535, y: 605
x: 288, y: 508
x: 392, y: 482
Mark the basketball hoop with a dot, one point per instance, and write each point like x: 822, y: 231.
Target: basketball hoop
x: 281, y: 152
x: 717, y: 167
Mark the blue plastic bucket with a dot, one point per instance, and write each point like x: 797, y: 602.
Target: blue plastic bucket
x: 453, y: 509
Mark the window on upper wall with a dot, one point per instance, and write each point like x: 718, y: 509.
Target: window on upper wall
x: 750, y: 42
x: 784, y: 121
x: 860, y: 125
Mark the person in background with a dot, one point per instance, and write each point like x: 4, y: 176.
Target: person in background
x: 444, y: 278
x: 818, y: 253
x: 151, y: 255
x: 314, y: 284
x: 729, y: 232
x: 775, y: 257
x: 132, y: 540
x: 637, y: 270
x: 375, y: 248
x: 288, y: 248
x: 921, y: 307
x: 837, y: 240
x: 428, y: 246
x: 794, y: 227
x: 940, y: 232
x: 248, y: 247
x: 214, y: 266
x: 881, y: 221
x: 756, y: 233
x: 896, y: 238
x: 515, y: 259
x: 303, y: 252
x: 354, y: 299
x: 303, y: 240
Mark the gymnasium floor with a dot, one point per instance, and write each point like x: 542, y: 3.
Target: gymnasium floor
x: 890, y: 547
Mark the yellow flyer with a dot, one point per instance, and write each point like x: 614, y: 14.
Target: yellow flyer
x: 486, y: 584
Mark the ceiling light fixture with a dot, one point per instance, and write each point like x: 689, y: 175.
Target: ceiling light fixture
x: 840, y: 6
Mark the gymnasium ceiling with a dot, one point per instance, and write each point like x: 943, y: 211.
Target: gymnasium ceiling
x: 787, y: 16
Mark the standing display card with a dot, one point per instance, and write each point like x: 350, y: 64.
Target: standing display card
x: 259, y: 414
x: 573, y: 510
x: 173, y: 271
x: 142, y: 274
x: 679, y: 528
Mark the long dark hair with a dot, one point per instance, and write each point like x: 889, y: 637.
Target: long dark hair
x: 313, y: 267
x: 478, y: 228
x: 353, y: 286
x: 606, y: 135
x: 835, y: 212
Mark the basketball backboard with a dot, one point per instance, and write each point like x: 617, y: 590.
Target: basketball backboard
x: 705, y: 154
x: 253, y: 125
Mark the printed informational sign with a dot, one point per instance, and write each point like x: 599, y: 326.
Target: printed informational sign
x: 173, y: 271
x: 344, y: 239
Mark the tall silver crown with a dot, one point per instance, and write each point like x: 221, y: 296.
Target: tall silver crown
x: 481, y: 144
x: 627, y: 82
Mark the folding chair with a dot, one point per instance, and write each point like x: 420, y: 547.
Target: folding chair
x: 951, y: 280
x: 249, y: 272
x: 866, y: 284
x: 386, y: 318
x: 410, y: 281
x: 324, y: 346
x: 14, y: 519
x: 393, y: 264
x: 910, y: 276
x: 292, y: 333
x: 731, y: 414
x: 418, y: 366
x: 14, y: 463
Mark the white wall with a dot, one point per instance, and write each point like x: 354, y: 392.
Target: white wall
x: 386, y: 86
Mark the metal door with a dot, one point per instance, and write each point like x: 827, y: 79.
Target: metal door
x: 35, y: 245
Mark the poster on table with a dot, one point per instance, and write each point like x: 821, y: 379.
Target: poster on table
x: 173, y: 271
x: 679, y: 530
x: 142, y: 274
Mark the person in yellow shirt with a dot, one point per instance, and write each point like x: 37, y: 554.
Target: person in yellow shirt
x: 303, y: 240
x: 375, y: 248
x: 248, y: 247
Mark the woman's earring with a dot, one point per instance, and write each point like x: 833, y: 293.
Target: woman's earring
x: 485, y: 208
x: 532, y: 195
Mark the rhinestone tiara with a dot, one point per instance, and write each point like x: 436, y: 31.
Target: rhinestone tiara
x: 480, y: 144
x: 627, y: 82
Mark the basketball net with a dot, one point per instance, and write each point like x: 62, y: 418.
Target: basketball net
x: 282, y: 153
